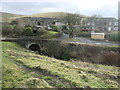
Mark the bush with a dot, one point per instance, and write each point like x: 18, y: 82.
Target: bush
x: 111, y: 58
x: 54, y: 28
x: 28, y: 31
x: 114, y: 36
x: 65, y: 55
x: 13, y: 22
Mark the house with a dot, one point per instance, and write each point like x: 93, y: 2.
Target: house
x: 102, y: 24
x: 58, y: 23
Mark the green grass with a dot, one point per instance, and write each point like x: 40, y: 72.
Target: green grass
x: 78, y: 74
x: 49, y: 35
x: 15, y: 76
x: 52, y: 32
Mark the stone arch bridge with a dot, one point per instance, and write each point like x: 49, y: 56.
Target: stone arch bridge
x: 32, y: 43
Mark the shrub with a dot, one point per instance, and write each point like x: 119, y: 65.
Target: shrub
x: 114, y: 36
x: 54, y: 28
x: 28, y: 31
x: 65, y: 56
x: 13, y: 22
x: 111, y: 58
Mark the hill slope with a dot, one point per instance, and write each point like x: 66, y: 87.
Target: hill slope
x: 6, y: 17
x: 53, y: 14
x: 24, y: 68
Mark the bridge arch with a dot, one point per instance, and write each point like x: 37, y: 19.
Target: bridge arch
x: 34, y: 47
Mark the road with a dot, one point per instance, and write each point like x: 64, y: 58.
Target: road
x: 87, y: 41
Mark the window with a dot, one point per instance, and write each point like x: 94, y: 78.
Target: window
x: 93, y: 23
x: 115, y: 28
x: 116, y: 23
x: 110, y: 23
x: 88, y: 24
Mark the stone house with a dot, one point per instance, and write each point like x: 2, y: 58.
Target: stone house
x: 102, y: 24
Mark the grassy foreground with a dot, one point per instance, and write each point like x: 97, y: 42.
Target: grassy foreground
x: 25, y: 69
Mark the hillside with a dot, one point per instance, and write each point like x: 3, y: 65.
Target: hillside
x: 6, y: 17
x: 23, y: 68
x: 53, y: 15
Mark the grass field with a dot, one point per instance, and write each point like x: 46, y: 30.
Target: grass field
x: 23, y: 68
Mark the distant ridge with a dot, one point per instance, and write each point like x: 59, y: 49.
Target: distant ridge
x: 54, y: 14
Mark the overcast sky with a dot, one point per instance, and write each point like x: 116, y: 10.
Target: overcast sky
x: 106, y: 8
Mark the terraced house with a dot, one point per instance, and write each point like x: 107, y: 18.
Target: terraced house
x: 102, y: 24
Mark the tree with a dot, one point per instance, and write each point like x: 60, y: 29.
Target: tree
x: 70, y: 21
x: 28, y: 31
x: 14, y: 26
x: 18, y: 25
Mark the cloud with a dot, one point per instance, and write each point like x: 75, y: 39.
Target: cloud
x: 87, y: 7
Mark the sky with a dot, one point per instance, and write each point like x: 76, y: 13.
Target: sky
x: 105, y: 8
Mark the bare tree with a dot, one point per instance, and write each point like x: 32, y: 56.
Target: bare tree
x: 97, y: 21
x: 70, y: 21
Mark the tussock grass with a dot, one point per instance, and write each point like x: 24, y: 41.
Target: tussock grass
x: 80, y: 74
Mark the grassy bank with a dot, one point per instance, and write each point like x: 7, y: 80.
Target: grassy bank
x: 24, y: 68
x: 49, y: 35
